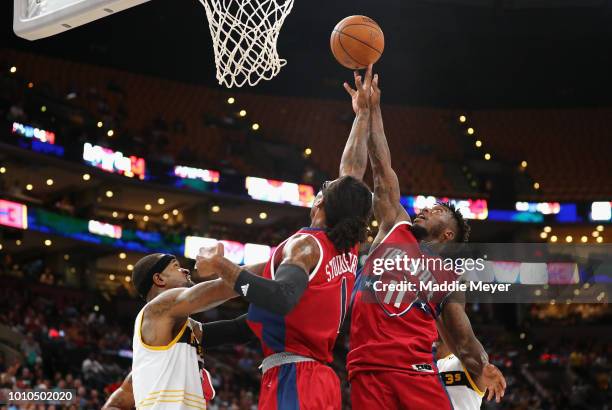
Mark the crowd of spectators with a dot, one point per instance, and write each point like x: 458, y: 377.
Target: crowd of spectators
x: 68, y: 342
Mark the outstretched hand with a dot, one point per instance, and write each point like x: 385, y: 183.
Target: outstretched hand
x: 208, y: 261
x: 360, y: 96
x: 375, y: 93
x: 493, y: 381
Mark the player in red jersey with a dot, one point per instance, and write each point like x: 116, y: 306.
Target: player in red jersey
x: 297, y: 306
x: 391, y: 364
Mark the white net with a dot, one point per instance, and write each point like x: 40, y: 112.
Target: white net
x: 244, y: 34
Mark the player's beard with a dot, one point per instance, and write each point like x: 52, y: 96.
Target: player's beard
x: 420, y: 232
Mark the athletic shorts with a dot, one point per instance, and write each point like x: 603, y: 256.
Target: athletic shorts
x: 300, y: 386
x: 398, y: 391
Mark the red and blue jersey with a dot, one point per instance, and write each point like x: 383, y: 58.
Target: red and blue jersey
x: 394, y: 329
x: 312, y: 327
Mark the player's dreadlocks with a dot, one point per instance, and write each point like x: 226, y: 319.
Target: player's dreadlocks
x: 463, y: 229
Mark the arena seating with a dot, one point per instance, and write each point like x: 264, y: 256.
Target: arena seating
x: 565, y: 149
x: 423, y: 140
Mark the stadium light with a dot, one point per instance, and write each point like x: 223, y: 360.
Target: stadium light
x: 536, y: 185
x: 543, y: 235
x: 30, y: 84
x: 308, y: 151
x: 462, y: 118
x: 487, y: 156
x: 18, y: 242
x: 263, y: 215
x: 110, y: 133
x: 130, y: 267
x: 100, y: 124
x: 242, y: 113
x: 13, y: 70
x: 115, y: 214
x: 166, y: 217
x: 553, y: 238
x: 130, y: 216
x: 48, y: 242
x: 49, y: 182
x: 547, y: 229
x: 595, y: 234
x: 122, y: 255
x: 29, y: 187
x: 161, y: 201
x: 2, y: 170
x: 215, y: 208
x: 111, y: 276
x: 147, y: 207
x: 599, y: 239
x: 86, y: 177
x: 128, y: 279
x: 374, y: 223
x: 470, y: 131
x: 599, y: 228
x: 145, y: 218
x: 478, y: 143
x: 175, y: 212
x: 569, y: 239
x: 231, y: 100
x: 248, y: 221
x: 109, y: 194
x: 255, y: 127
x: 584, y: 239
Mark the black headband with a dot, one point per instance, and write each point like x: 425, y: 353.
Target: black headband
x: 147, y: 281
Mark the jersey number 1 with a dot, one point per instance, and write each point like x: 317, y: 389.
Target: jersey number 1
x: 343, y: 302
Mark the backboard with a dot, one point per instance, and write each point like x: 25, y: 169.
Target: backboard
x: 35, y: 19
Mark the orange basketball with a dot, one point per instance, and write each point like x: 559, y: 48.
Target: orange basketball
x: 357, y: 41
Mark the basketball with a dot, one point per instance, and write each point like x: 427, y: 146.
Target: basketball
x: 357, y: 41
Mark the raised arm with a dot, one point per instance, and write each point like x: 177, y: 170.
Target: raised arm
x: 179, y: 303
x: 278, y: 295
x: 355, y: 156
x: 122, y: 398
x: 387, y: 208
x: 456, y: 330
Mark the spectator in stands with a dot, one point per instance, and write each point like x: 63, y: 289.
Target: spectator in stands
x: 31, y: 350
x: 92, y: 369
x: 47, y: 277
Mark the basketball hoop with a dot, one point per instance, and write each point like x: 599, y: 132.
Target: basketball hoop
x: 244, y: 34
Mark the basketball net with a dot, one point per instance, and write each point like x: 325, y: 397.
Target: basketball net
x: 244, y: 34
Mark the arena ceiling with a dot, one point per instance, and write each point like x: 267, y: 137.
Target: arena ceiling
x: 453, y: 53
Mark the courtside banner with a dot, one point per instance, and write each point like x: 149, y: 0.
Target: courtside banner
x: 399, y: 275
